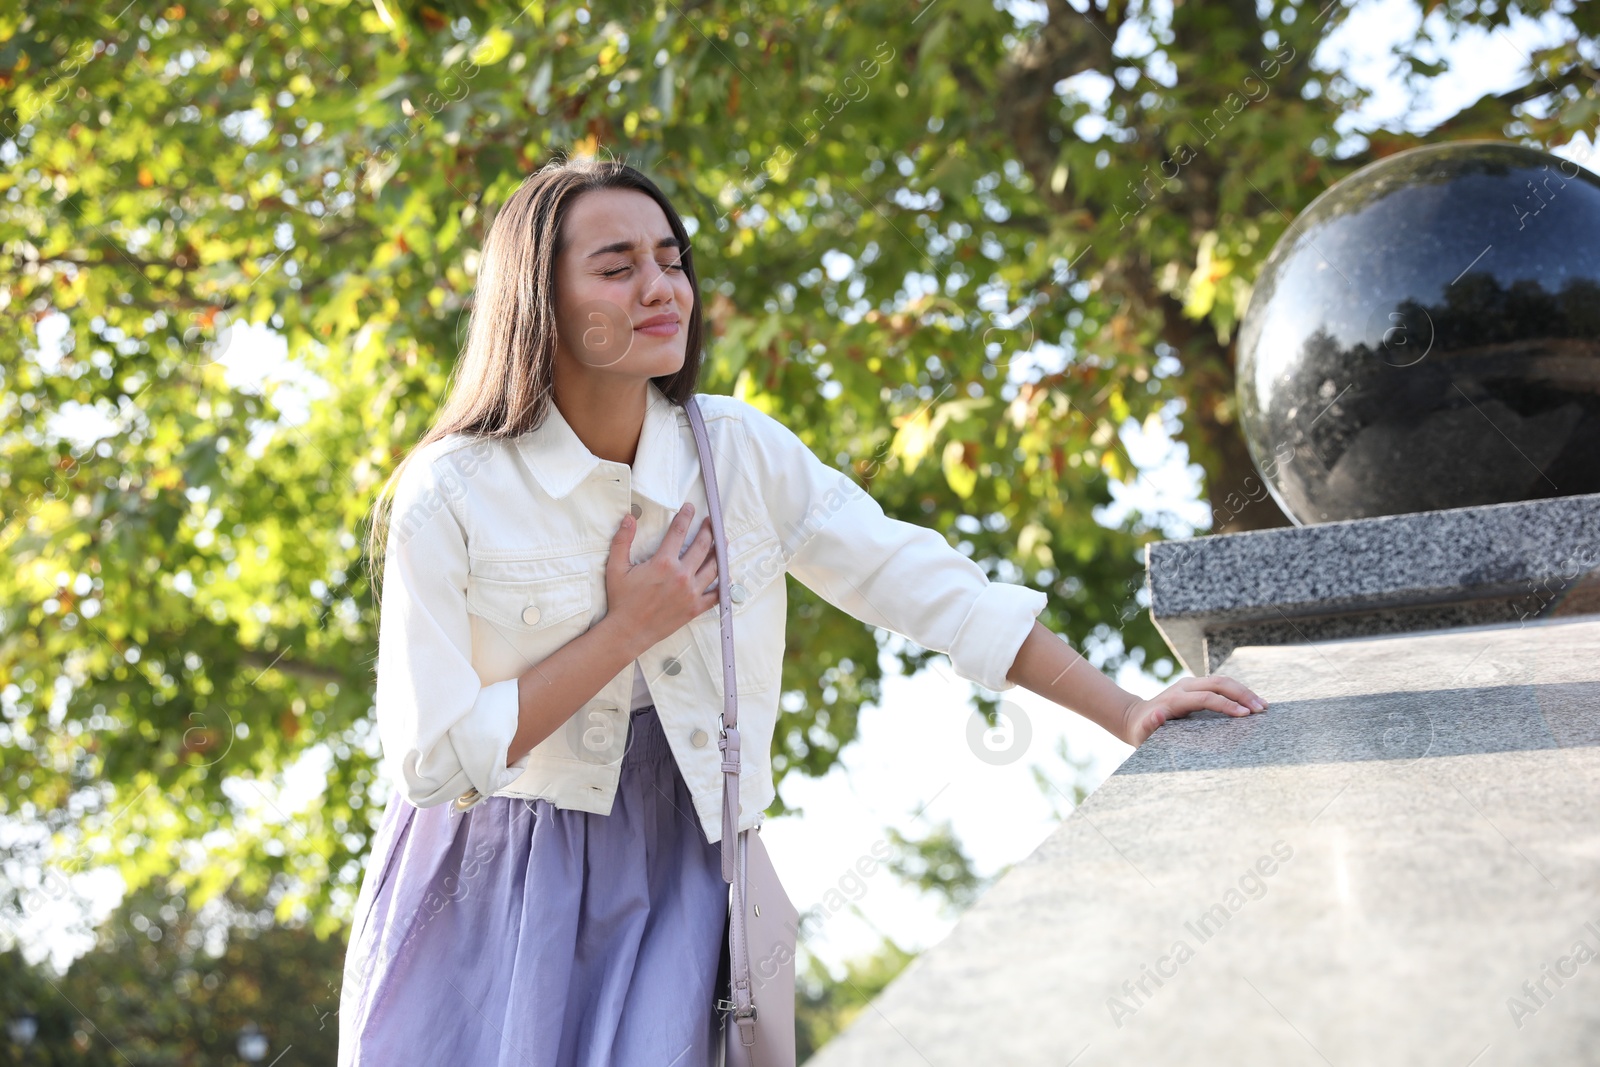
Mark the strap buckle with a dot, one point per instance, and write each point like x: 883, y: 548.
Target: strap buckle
x: 726, y: 1005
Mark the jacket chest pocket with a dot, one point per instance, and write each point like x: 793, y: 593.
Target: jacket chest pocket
x: 516, y: 622
x: 755, y: 571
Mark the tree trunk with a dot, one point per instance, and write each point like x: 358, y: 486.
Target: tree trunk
x: 1235, y: 489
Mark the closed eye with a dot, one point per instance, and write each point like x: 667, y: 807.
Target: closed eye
x: 664, y: 266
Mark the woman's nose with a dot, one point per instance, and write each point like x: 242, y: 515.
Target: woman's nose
x: 656, y: 285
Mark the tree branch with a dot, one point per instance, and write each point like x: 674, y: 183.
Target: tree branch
x: 313, y: 672
x: 1486, y: 116
x: 1069, y: 43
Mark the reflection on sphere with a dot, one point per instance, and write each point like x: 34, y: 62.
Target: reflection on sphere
x: 1426, y: 335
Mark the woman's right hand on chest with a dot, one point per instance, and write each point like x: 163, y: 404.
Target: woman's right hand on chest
x: 653, y: 599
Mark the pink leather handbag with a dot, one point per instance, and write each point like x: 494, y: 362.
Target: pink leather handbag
x: 758, y: 1013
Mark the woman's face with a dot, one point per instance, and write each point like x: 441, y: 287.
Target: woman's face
x: 622, y: 296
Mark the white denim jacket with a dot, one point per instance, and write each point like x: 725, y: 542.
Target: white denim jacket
x: 496, y: 558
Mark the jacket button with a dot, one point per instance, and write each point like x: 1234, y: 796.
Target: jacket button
x: 699, y: 738
x: 530, y: 614
x: 636, y: 509
x: 672, y: 666
x: 737, y: 593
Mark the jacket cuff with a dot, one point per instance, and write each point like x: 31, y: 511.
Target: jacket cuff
x: 481, y: 740
x: 999, y: 621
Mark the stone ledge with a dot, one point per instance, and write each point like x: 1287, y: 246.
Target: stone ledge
x: 1398, y: 573
x: 1385, y: 868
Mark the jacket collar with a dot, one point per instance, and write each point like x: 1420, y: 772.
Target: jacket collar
x: 560, y: 461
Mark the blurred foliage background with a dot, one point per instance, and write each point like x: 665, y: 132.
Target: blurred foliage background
x: 958, y: 247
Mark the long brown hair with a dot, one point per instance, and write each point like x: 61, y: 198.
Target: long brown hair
x: 502, y: 385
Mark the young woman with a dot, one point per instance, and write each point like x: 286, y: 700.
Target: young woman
x: 544, y: 888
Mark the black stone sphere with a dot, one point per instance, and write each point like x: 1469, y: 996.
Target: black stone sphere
x: 1426, y: 335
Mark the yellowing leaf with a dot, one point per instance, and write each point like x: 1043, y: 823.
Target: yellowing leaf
x: 1033, y: 542
x: 962, y: 478
x: 1119, y: 408
x: 494, y: 47
x: 1111, y: 463
x: 914, y: 438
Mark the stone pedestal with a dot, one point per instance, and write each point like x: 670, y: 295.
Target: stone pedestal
x: 1397, y: 863
x: 1400, y: 573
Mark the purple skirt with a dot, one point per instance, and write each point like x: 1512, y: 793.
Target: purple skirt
x: 518, y: 934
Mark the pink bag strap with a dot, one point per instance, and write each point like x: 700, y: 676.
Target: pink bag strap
x: 734, y: 844
x: 728, y: 740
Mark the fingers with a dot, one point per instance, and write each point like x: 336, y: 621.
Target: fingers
x: 1207, y: 700
x: 677, y: 531
x: 621, y: 543
x: 704, y: 544
x: 692, y: 550
x: 1226, y: 705
x: 1150, y: 719
x: 1234, y: 691
x: 1156, y: 716
x: 1208, y: 693
x: 696, y: 556
x: 688, y: 543
x: 705, y: 578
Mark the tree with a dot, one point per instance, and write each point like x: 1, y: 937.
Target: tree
x: 167, y: 984
x: 825, y: 1005
x: 891, y: 211
x: 935, y: 863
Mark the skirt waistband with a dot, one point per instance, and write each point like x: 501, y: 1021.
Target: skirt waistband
x: 647, y: 740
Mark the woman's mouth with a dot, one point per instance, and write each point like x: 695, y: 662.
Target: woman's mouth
x: 660, y: 326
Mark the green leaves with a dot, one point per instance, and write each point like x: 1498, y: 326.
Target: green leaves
x: 874, y: 193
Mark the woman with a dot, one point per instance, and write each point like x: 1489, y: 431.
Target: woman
x: 544, y: 887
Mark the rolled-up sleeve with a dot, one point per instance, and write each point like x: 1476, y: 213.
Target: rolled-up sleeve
x: 445, y: 734
x: 903, y: 577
